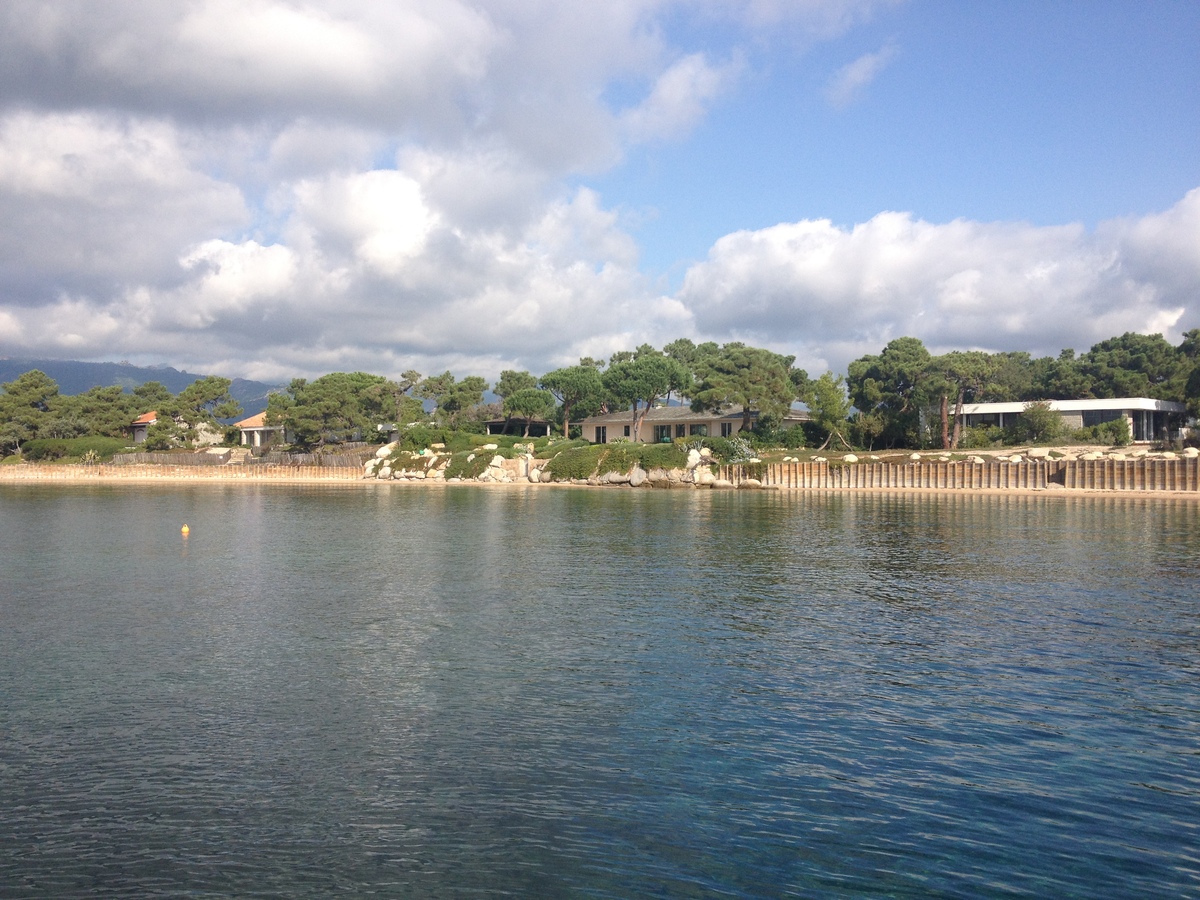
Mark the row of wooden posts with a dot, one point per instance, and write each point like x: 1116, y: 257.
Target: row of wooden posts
x: 1085, y: 474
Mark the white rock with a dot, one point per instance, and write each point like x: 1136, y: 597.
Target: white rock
x: 1137, y: 454
x: 850, y: 458
x: 1016, y: 458
x: 915, y: 457
x: 438, y: 446
x: 754, y: 459
x: 693, y: 458
x: 705, y: 477
x: 637, y: 476
x: 722, y: 485
x: 819, y: 459
x: 1039, y: 453
x: 1117, y: 456
x: 490, y: 447
x: 706, y: 452
x: 385, y: 472
x: 872, y: 456
x: 1191, y: 452
x: 1093, y: 456
x: 371, y: 466
x: 385, y: 451
x: 977, y: 460
x: 750, y: 484
x: 535, y: 475
x: 497, y: 462
x: 1169, y: 454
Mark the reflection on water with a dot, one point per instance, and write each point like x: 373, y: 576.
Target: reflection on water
x: 605, y: 693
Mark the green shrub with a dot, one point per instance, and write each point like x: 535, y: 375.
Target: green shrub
x: 980, y: 437
x: 618, y: 458
x: 1115, y: 433
x: 468, y: 464
x: 575, y: 462
x: 44, y: 449
x: 663, y: 456
x: 99, y: 448
x: 552, y: 449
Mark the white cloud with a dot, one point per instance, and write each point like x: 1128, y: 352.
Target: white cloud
x: 679, y: 100
x: 837, y: 292
x: 851, y: 80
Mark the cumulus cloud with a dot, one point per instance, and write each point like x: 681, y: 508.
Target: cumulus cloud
x: 273, y: 188
x: 851, y: 80
x: 840, y: 292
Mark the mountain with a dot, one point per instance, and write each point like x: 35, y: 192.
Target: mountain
x: 75, y: 377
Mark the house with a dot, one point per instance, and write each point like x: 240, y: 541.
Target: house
x: 665, y: 423
x: 141, y: 426
x: 1149, y: 420
x: 538, y: 427
x: 257, y: 433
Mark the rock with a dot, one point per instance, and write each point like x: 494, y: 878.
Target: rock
x: 706, y: 453
x: 872, y: 457
x: 977, y: 460
x: 1016, y: 458
x: 637, y: 476
x: 705, y: 477
x: 437, y: 446
x: 497, y: 462
x: 1093, y: 455
x: 693, y: 458
x: 1039, y: 453
x: 384, y: 472
x: 385, y: 451
x: 436, y: 473
x: 1117, y: 456
x: 1169, y: 454
x: 371, y: 466
x: 490, y: 447
x: 819, y: 459
x: 470, y: 456
x: 658, y: 476
x: 850, y: 458
x: 915, y: 457
x: 722, y: 485
x: 1138, y: 454
x: 750, y: 484
x: 454, y: 480
x: 1191, y: 452
x: 943, y: 459
x: 754, y: 459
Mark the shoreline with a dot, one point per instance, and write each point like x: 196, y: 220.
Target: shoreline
x: 76, y: 475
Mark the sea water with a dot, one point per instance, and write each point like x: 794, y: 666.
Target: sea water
x: 377, y: 690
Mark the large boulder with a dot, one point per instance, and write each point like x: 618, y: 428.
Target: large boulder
x: 385, y: 472
x: 749, y: 484
x: 722, y: 484
x: 637, y: 476
x: 705, y: 477
x: 386, y: 450
x: 693, y: 458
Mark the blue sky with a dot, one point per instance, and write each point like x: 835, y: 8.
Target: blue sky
x: 272, y: 188
x: 1040, y: 112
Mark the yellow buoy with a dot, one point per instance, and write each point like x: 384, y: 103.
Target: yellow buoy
x: 185, y: 531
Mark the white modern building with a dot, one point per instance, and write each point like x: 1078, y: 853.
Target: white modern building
x: 1149, y: 420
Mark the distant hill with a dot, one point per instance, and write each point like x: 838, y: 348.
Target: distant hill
x: 76, y: 377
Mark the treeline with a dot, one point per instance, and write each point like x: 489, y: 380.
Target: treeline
x: 902, y: 397
x: 32, y: 410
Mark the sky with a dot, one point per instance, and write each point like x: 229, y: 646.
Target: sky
x: 274, y: 188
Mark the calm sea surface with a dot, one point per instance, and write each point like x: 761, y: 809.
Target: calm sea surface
x: 596, y: 693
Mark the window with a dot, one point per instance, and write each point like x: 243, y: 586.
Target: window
x: 662, y: 434
x: 726, y: 429
x: 701, y: 430
x: 680, y: 431
x: 601, y: 434
x: 1092, y: 417
x: 626, y: 431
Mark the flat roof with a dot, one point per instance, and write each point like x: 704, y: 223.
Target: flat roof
x: 1121, y: 403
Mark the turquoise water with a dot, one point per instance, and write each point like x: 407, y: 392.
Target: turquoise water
x: 596, y: 693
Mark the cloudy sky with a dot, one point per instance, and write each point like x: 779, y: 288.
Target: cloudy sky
x: 271, y: 188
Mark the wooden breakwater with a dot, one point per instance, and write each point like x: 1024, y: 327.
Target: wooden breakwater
x: 1077, y: 474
